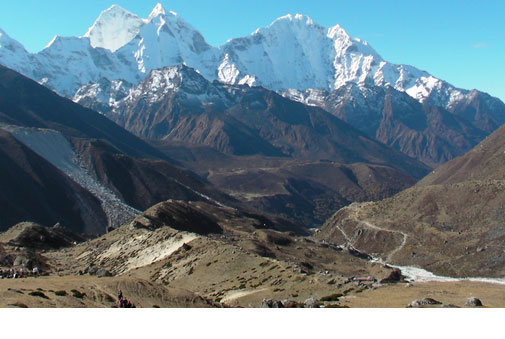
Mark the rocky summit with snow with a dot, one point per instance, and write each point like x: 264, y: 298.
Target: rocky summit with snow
x: 293, y: 52
x: 294, y: 56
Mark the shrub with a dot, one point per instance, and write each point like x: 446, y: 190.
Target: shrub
x: 38, y: 294
x: 78, y: 294
x: 332, y: 297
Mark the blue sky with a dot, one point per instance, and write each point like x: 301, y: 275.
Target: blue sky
x: 461, y: 41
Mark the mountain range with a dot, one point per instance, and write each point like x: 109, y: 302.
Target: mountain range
x: 399, y: 105
x: 293, y: 167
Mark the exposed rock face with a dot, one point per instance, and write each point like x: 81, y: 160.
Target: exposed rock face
x: 431, y: 131
x: 473, y: 302
x: 311, y: 302
x: 424, y: 302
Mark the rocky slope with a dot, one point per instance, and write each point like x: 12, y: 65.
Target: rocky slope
x: 76, y: 166
x: 33, y: 189
x: 178, y: 104
x: 222, y: 255
x: 429, y: 131
x: 450, y: 223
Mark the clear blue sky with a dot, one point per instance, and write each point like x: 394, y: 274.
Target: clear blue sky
x: 461, y: 41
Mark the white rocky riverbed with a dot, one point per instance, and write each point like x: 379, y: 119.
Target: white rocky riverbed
x: 416, y: 274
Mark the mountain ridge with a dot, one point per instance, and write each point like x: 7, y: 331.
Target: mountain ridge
x: 328, y: 60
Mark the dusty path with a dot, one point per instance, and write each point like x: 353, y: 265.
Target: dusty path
x: 396, y: 250
x: 368, y: 224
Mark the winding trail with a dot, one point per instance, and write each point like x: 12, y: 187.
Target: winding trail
x: 370, y: 225
x: 396, y: 250
x: 413, y: 274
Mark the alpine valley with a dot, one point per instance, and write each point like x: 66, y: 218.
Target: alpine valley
x: 293, y: 167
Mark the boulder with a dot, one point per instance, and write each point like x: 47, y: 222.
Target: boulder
x: 269, y: 303
x: 289, y: 304
x: 20, y: 260
x: 92, y: 270
x: 473, y: 302
x: 311, y: 303
x: 277, y: 304
x: 424, y: 302
x: 102, y: 272
x: 394, y: 276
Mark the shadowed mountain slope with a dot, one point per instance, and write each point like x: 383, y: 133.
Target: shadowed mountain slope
x: 65, y: 163
x: 178, y: 104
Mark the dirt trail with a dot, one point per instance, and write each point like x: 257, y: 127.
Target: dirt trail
x: 354, y: 211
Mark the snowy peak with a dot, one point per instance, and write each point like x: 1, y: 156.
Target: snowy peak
x: 295, y: 19
x: 180, y: 79
x: 336, y: 32
x: 14, y: 55
x: 165, y: 40
x: 158, y: 10
x: 114, y: 28
x: 6, y: 42
x: 293, y: 52
x: 289, y: 24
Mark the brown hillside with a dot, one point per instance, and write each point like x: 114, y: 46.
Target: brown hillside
x: 451, y: 223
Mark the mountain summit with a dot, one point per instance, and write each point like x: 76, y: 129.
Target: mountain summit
x: 158, y: 10
x: 293, y: 52
x: 293, y: 55
x: 114, y: 28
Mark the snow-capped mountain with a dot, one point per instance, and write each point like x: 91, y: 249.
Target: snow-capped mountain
x: 177, y: 103
x: 114, y: 28
x: 14, y: 55
x: 427, y: 132
x: 292, y: 52
x: 295, y: 56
